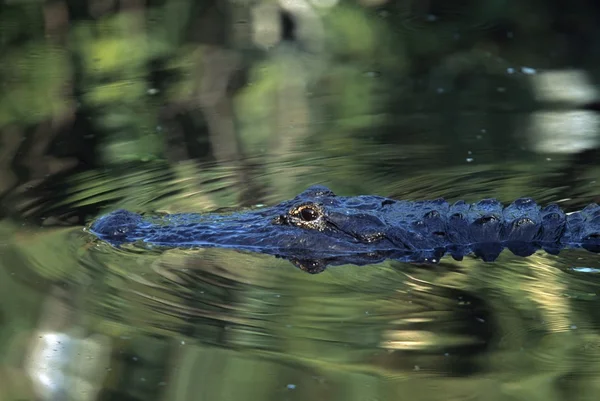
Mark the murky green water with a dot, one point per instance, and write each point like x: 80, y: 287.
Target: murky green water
x: 184, y: 106
x: 85, y: 321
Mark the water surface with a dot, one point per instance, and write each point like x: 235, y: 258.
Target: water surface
x: 89, y: 321
x: 211, y: 106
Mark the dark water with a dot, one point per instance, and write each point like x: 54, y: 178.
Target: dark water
x: 188, y: 107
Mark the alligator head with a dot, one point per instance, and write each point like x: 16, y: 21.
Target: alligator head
x: 312, y: 230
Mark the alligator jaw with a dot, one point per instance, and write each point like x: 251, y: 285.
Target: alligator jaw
x: 311, y: 266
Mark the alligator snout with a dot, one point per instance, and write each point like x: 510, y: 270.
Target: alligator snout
x: 116, y: 225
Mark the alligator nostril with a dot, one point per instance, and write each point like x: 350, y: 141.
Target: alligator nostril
x: 121, y: 231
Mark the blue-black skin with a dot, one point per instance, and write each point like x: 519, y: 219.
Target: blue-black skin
x: 318, y: 228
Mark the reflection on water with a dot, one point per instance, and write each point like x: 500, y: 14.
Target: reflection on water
x: 212, y: 105
x: 94, y: 322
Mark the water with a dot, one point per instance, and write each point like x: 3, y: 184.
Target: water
x: 88, y: 321
x: 185, y: 107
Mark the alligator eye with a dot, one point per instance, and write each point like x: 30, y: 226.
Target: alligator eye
x: 308, y: 214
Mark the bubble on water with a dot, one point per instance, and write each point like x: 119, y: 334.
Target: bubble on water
x: 528, y: 70
x: 585, y: 270
x: 372, y: 74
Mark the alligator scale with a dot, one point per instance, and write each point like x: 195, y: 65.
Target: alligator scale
x: 318, y: 228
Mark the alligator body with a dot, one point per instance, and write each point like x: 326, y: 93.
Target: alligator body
x: 318, y: 228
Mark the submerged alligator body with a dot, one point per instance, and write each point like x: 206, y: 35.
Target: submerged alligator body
x: 318, y: 228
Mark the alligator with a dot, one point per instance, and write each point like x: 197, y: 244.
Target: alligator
x: 317, y: 229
